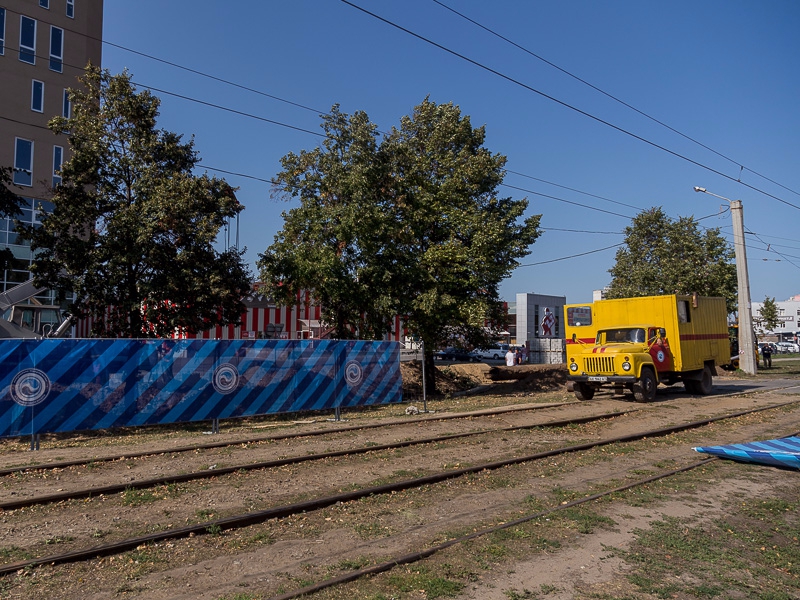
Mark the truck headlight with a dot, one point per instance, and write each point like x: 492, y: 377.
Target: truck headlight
x: 626, y: 366
x: 573, y: 366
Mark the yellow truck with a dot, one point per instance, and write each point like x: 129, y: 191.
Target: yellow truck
x: 637, y: 343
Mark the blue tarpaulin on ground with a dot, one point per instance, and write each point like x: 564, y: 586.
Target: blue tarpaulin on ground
x: 781, y: 452
x: 72, y: 385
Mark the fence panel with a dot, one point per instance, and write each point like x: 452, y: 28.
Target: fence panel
x: 72, y: 385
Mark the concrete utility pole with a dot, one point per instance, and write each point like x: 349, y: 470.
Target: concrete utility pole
x: 747, y: 340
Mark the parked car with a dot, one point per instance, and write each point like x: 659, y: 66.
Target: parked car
x: 454, y: 353
x: 784, y: 347
x: 495, y: 352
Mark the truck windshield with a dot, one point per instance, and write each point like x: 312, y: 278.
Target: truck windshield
x: 631, y: 335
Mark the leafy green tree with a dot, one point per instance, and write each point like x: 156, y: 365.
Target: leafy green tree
x: 10, y: 206
x: 330, y: 243
x: 768, y: 315
x: 409, y: 225
x: 133, y: 229
x: 666, y: 256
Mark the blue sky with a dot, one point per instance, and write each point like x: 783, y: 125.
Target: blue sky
x: 725, y: 73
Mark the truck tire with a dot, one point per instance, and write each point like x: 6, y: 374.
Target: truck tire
x: 706, y: 384
x: 702, y: 386
x: 644, y: 390
x: 583, y: 391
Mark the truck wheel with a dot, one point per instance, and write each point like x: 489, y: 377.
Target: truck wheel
x: 583, y: 391
x: 644, y: 390
x: 706, y: 384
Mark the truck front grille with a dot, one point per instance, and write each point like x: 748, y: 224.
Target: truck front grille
x: 598, y: 364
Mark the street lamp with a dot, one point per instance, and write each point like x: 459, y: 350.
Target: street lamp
x: 747, y: 359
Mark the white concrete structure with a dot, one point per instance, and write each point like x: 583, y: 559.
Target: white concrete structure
x: 789, y: 315
x: 540, y: 327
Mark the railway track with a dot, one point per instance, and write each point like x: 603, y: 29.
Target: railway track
x: 218, y: 472
x: 277, y: 437
x: 254, y: 517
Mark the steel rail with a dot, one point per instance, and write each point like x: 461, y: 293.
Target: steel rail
x: 280, y: 462
x: 276, y: 438
x: 256, y: 517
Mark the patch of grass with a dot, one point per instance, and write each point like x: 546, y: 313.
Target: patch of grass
x: 752, y: 552
x: 260, y: 538
x: 133, y: 497
x: 204, y: 514
x: 431, y: 585
x: 586, y: 519
x: 58, y: 540
x: 14, y: 554
x: 367, y: 531
x: 240, y: 596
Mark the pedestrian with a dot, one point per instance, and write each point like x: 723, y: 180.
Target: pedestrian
x: 766, y: 353
x: 525, y: 353
x: 518, y: 356
x: 511, y: 358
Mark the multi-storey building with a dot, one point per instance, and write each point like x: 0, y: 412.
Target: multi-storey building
x: 44, y: 46
x: 788, y: 329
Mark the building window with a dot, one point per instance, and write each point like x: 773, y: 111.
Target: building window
x: 27, y: 40
x: 23, y: 162
x: 58, y: 157
x: 66, y: 107
x: 2, y: 31
x: 71, y: 9
x: 56, y: 48
x: 37, y: 96
x: 45, y: 4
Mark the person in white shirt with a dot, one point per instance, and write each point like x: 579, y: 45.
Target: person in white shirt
x: 511, y: 358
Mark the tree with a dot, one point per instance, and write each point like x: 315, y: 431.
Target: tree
x: 666, y: 256
x: 133, y: 229
x: 768, y: 319
x: 409, y: 226
x: 10, y: 207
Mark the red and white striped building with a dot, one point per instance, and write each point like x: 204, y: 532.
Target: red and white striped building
x: 264, y: 319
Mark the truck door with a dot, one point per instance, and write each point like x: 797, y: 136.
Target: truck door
x: 659, y: 350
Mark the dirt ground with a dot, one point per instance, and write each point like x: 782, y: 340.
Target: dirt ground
x: 459, y: 378
x: 257, y: 562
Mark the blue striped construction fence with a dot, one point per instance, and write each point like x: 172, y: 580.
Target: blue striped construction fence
x: 73, y: 385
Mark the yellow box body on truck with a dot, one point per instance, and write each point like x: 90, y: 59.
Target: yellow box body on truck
x: 637, y: 343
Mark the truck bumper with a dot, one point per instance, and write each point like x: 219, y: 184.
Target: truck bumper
x: 601, y: 379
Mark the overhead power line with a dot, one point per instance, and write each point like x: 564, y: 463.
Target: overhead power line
x: 545, y: 262
x: 565, y: 104
x: 611, y: 96
x: 277, y: 98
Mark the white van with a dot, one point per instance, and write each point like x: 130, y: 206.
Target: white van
x: 494, y: 352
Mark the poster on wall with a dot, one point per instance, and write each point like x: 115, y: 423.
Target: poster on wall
x: 63, y: 385
x: 547, y: 328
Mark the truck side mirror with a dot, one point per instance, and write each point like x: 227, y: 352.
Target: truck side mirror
x: 662, y: 332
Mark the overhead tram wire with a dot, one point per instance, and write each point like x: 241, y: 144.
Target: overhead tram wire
x: 273, y: 182
x: 545, y: 262
x: 611, y: 96
x: 572, y: 189
x: 608, y: 212
x: 565, y: 104
x: 290, y: 102
x: 296, y: 128
x: 179, y: 66
x: 226, y: 109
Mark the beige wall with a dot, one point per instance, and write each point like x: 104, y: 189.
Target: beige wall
x: 82, y: 35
